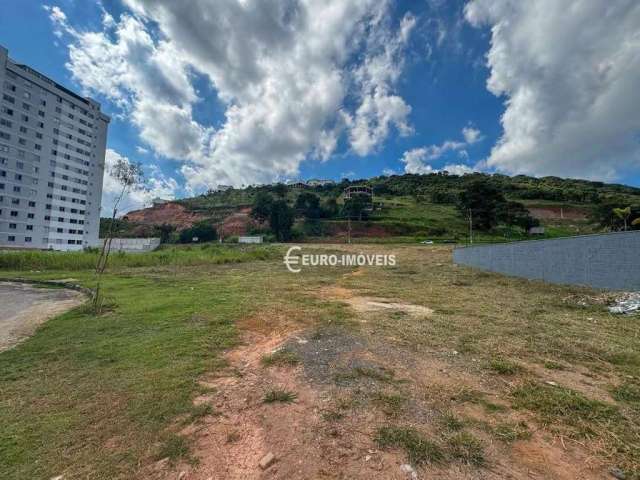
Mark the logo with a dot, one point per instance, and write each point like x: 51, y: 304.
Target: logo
x: 294, y: 263
x: 289, y: 260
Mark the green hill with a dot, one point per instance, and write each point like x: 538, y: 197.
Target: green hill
x: 414, y: 208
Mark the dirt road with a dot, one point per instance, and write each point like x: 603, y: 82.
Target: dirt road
x: 25, y: 307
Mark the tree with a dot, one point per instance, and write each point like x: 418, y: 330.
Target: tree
x: 481, y: 200
x: 623, y: 214
x: 281, y: 220
x: 280, y: 190
x: 488, y: 207
x: 203, y: 231
x: 356, y: 207
x: 262, y: 206
x: 515, y: 213
x: 165, y: 230
x: 128, y: 176
x: 308, y: 205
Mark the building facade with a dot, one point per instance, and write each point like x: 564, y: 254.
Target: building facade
x: 52, y: 153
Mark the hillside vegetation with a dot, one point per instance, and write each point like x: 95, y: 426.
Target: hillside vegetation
x: 414, y: 208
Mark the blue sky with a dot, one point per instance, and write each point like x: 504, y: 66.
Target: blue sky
x: 224, y: 93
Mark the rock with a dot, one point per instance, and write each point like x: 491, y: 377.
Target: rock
x: 409, y: 470
x: 59, y: 477
x: 553, y: 384
x: 617, y: 473
x: 182, y: 475
x: 267, y: 461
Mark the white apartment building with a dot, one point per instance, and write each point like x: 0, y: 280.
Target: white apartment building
x: 52, y: 151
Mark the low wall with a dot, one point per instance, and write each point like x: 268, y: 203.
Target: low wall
x: 610, y: 261
x: 133, y: 245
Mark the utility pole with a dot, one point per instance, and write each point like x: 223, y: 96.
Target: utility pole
x: 349, y: 229
x: 470, y: 227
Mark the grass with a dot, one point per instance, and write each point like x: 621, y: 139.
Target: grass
x: 418, y: 449
x: 170, y: 256
x: 280, y: 358
x: 504, y: 366
x: 279, y: 395
x: 98, y: 396
x: 466, y: 448
x: 391, y: 404
x: 558, y: 404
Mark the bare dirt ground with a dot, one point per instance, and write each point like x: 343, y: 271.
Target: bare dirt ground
x: 25, y: 307
x: 352, y: 383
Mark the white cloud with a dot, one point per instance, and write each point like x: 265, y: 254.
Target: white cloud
x: 155, y: 185
x: 284, y: 69
x: 570, y: 72
x: 471, y: 135
x: 416, y: 160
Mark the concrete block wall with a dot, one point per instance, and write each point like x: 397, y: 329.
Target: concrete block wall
x: 609, y: 261
x: 133, y: 245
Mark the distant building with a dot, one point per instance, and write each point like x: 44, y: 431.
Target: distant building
x: 251, y: 239
x: 52, y: 151
x: 224, y: 188
x: 314, y: 182
x: 358, y: 190
x: 300, y: 185
x: 536, y: 231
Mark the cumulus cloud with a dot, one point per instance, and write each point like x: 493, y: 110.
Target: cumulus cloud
x: 155, y: 185
x: 416, y: 160
x: 294, y: 76
x: 570, y: 72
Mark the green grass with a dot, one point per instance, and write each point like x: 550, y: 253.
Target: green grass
x: 466, y: 448
x: 418, y: 449
x: 279, y: 395
x: 555, y: 404
x: 280, y: 358
x: 119, y: 379
x: 504, y: 366
x: 391, y: 404
x: 171, y: 256
x: 510, y: 432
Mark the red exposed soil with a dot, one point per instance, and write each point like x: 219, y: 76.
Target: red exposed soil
x: 236, y: 223
x: 168, y: 213
x: 558, y: 213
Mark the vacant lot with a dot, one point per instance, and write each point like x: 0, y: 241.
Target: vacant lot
x: 208, y: 359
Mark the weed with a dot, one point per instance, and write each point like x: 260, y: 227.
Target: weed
x: 450, y: 422
x: 175, y: 447
x: 278, y: 395
x: 198, y: 412
x: 504, y: 366
x: 332, y: 415
x: 280, y: 358
x: 562, y: 404
x: 465, y: 447
x: 551, y: 365
x: 510, y: 432
x: 418, y: 449
x: 627, y: 392
x: 391, y: 404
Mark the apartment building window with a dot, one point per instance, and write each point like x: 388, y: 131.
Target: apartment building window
x: 14, y: 213
x: 32, y: 204
x: 29, y: 227
x: 30, y: 215
x: 15, y: 201
x: 23, y: 129
x: 17, y: 189
x: 26, y: 106
x: 5, y: 136
x: 11, y: 238
x: 13, y: 226
x: 27, y: 239
x: 8, y: 98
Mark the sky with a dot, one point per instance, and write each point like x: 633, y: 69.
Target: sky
x: 240, y: 92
